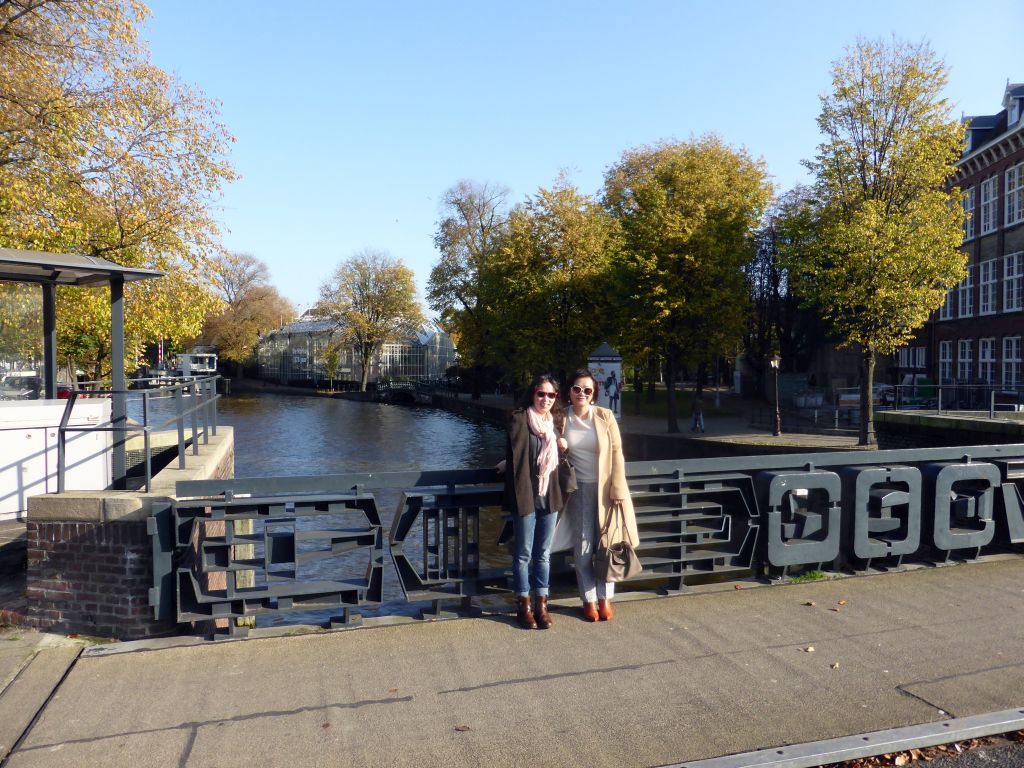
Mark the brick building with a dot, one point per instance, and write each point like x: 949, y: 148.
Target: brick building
x: 975, y: 338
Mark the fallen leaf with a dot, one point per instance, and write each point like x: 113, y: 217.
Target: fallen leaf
x: 326, y: 725
x: 809, y: 649
x: 462, y: 728
x: 901, y: 760
x: 737, y: 586
x: 835, y: 665
x: 810, y: 603
x: 834, y: 609
x: 842, y: 602
x: 392, y: 690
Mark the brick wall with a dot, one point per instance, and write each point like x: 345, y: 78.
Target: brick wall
x: 91, y: 578
x: 90, y: 560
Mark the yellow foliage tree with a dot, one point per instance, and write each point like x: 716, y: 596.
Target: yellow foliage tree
x: 103, y: 153
x: 878, y: 247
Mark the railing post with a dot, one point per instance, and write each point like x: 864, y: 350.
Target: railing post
x: 992, y: 403
x: 146, y: 452
x: 194, y: 418
x: 180, y: 422
x: 62, y: 437
x: 201, y: 405
x: 938, y: 403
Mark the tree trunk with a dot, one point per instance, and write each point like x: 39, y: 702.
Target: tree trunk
x: 698, y: 386
x: 867, y: 406
x: 478, y: 374
x: 652, y: 375
x: 638, y: 388
x: 364, y: 375
x: 671, y: 409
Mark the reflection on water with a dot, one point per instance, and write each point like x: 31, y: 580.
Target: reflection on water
x: 297, y: 435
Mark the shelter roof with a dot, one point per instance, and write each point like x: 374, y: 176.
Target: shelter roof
x: 65, y: 268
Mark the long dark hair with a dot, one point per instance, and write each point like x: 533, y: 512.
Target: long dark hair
x: 557, y: 411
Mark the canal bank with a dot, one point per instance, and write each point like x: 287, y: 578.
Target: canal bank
x: 645, y: 438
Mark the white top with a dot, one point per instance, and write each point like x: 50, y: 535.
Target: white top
x: 582, y: 439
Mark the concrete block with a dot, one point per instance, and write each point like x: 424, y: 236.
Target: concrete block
x: 76, y: 507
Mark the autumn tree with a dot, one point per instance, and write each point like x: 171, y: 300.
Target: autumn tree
x: 468, y: 237
x: 251, y: 307
x: 877, y: 247
x: 104, y: 154
x: 551, y: 280
x: 372, y: 299
x: 687, y: 212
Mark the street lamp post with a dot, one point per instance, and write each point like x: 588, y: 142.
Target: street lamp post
x: 778, y: 419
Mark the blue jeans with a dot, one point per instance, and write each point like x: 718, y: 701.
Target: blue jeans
x: 534, y: 533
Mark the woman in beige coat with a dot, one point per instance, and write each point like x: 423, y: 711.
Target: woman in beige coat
x: 595, y: 450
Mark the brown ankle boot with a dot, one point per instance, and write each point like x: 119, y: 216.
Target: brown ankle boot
x: 590, y: 611
x: 525, y: 614
x: 604, y: 610
x: 543, y: 617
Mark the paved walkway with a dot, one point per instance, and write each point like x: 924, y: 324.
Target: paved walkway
x: 733, y: 425
x: 669, y: 680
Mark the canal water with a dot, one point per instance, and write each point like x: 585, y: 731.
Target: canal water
x: 304, y: 435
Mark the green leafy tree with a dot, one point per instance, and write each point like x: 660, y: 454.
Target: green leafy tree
x: 877, y: 247
x: 372, y: 299
x: 687, y: 212
x: 469, y: 235
x: 551, y: 280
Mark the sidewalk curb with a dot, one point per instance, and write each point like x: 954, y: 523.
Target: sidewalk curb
x: 816, y: 753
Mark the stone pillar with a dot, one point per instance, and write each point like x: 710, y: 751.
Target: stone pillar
x: 90, y: 564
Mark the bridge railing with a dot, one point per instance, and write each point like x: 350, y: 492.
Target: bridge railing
x: 194, y: 413
x: 754, y: 517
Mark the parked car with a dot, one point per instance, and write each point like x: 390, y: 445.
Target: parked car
x: 20, y: 385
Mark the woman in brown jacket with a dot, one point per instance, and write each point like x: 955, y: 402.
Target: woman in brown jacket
x: 595, y: 450
x: 533, y: 495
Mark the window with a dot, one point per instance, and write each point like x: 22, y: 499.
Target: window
x: 1011, y: 361
x: 946, y: 310
x: 965, y: 360
x: 910, y: 357
x: 968, y: 203
x: 989, y: 200
x: 987, y: 360
x: 945, y: 361
x: 1013, y: 273
x: 987, y: 287
x: 966, y: 294
x: 1015, y: 194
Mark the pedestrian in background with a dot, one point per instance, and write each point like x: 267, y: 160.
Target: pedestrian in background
x: 533, y: 495
x: 697, y: 410
x: 594, y: 448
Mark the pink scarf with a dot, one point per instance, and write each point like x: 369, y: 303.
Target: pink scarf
x: 543, y: 426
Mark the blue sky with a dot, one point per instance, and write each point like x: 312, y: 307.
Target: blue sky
x: 351, y: 119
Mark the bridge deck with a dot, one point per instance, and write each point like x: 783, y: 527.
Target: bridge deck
x: 669, y: 680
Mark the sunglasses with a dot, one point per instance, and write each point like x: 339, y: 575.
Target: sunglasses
x: 578, y: 390
x: 548, y: 395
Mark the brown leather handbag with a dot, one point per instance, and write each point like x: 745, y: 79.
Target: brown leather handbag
x: 618, y: 561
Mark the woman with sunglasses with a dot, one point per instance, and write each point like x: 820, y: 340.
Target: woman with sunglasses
x: 533, y: 495
x: 595, y: 450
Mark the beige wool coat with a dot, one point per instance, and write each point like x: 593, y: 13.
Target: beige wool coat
x: 611, y: 475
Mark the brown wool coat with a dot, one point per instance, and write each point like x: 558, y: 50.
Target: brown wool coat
x: 518, y: 480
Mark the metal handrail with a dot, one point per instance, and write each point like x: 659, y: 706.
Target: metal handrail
x: 205, y: 396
